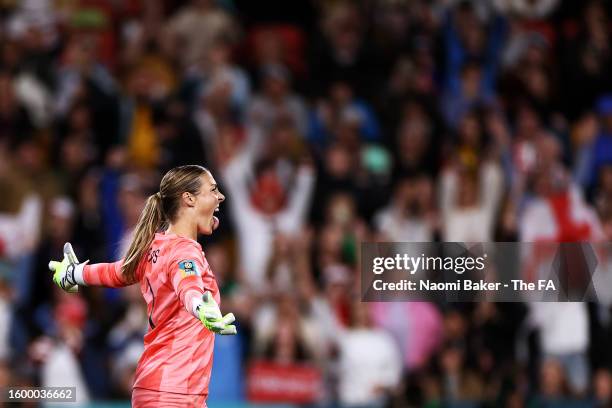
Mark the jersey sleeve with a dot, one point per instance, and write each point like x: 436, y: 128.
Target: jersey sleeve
x: 187, y: 269
x: 105, y: 274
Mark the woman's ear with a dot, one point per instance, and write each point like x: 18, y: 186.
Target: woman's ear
x: 189, y: 199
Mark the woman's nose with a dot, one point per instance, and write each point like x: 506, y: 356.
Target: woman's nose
x: 221, y: 197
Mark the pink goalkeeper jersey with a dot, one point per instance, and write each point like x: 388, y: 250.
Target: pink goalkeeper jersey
x: 178, y: 349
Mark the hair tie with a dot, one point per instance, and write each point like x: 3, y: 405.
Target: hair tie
x: 158, y: 194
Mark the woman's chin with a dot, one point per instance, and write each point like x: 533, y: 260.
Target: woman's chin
x: 211, y: 227
x: 205, y: 230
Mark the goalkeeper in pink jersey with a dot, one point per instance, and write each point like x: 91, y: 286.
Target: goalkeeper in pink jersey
x: 177, y: 283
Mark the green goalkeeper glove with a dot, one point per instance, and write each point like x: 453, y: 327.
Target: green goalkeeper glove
x: 210, y: 314
x: 65, y: 271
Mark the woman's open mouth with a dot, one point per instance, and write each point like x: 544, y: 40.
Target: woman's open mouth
x: 215, y: 220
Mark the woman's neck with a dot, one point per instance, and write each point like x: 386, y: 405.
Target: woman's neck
x: 184, y: 228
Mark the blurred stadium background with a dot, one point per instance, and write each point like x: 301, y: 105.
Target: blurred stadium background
x: 327, y: 123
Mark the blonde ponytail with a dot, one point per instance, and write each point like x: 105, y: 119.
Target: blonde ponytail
x: 151, y: 220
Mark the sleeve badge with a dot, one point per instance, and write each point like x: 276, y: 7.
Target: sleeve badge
x: 188, y: 268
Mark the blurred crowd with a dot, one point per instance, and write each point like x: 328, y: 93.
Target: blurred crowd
x: 327, y: 123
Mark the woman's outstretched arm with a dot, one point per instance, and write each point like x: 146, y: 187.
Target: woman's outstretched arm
x: 104, y: 274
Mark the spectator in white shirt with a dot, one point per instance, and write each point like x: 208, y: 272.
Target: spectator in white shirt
x: 261, y: 207
x: 277, y: 101
x: 370, y: 362
x: 469, y: 203
x: 558, y: 213
x: 409, y: 216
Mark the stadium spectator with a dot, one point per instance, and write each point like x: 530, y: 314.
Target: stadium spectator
x: 276, y: 101
x: 262, y: 205
x: 366, y: 379
x: 410, y: 216
x: 192, y: 31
